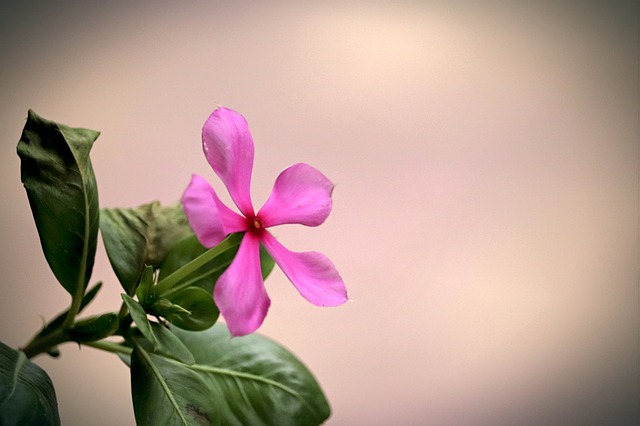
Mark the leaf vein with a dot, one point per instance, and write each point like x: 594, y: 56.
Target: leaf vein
x: 235, y: 375
x: 163, y: 383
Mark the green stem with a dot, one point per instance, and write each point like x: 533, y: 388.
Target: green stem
x: 167, y: 285
x: 76, y: 301
x: 112, y: 347
x: 45, y: 343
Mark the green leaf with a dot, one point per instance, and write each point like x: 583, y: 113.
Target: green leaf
x: 167, y: 345
x: 249, y: 380
x: 27, y: 396
x: 197, y: 310
x: 57, y: 174
x: 156, y: 337
x: 94, y: 328
x: 144, y: 292
x: 266, y: 262
x: 161, y: 392
x: 141, y: 236
x: 139, y: 317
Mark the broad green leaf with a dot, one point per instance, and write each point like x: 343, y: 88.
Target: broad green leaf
x: 167, y: 345
x: 248, y: 380
x: 165, y: 392
x: 141, y: 236
x: 57, y: 174
x: 27, y: 396
x: 198, y: 310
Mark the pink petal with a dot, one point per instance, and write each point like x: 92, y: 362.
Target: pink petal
x: 312, y: 273
x: 301, y: 194
x: 228, y: 146
x: 209, y: 218
x: 240, y: 293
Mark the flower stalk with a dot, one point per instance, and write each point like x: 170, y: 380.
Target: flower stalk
x: 169, y: 284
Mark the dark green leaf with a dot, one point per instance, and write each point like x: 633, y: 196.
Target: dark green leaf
x: 139, y: 317
x: 143, y: 292
x: 167, y: 345
x: 266, y: 262
x: 198, y: 310
x: 164, y: 307
x: 94, y: 328
x: 141, y: 236
x: 125, y: 358
x: 156, y: 337
x: 165, y: 392
x: 249, y: 380
x: 27, y: 396
x: 57, y: 174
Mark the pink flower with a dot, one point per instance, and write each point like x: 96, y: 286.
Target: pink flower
x: 301, y: 194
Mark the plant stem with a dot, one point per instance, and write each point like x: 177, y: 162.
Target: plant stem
x: 45, y: 343
x: 76, y: 301
x: 105, y: 345
x: 166, y: 286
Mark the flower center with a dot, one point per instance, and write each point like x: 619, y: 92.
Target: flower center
x: 255, y: 225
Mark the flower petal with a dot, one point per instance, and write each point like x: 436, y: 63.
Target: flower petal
x: 312, y: 273
x: 240, y: 293
x: 301, y: 194
x: 228, y: 147
x: 209, y: 218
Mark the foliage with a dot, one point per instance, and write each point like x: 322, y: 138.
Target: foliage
x: 185, y: 367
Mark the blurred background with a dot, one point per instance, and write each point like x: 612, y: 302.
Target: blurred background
x: 486, y: 211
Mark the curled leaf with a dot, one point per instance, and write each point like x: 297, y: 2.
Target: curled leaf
x: 57, y: 174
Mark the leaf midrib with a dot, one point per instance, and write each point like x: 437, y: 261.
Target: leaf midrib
x: 87, y: 232
x: 163, y: 383
x: 246, y: 376
x: 20, y: 362
x: 81, y: 278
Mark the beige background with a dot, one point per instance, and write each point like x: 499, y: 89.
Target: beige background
x: 485, y: 215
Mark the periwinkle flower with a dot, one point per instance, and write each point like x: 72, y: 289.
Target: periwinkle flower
x: 300, y: 195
